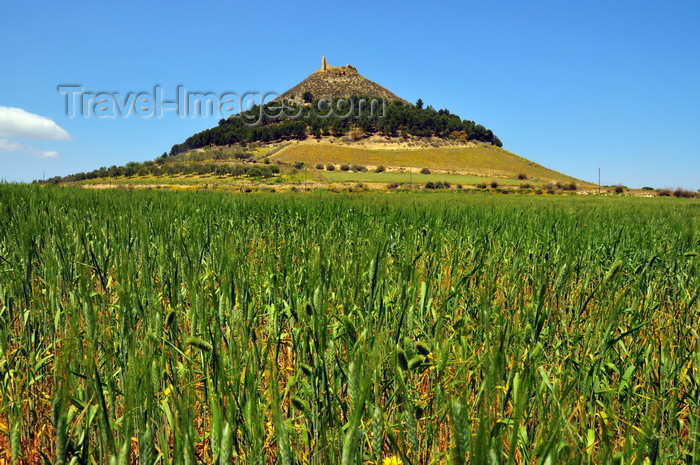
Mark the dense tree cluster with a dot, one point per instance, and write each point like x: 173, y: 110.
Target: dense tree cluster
x: 274, y: 122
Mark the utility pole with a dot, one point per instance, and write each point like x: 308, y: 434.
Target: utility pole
x: 598, y: 180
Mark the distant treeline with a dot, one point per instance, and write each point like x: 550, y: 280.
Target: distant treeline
x: 157, y: 168
x: 271, y: 122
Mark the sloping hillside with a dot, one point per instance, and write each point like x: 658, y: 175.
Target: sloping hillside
x: 471, y: 159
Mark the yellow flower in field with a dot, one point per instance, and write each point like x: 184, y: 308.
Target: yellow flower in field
x: 393, y: 460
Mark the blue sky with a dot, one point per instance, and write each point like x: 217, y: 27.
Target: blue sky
x: 572, y: 85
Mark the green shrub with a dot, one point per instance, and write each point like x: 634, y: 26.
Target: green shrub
x: 683, y: 193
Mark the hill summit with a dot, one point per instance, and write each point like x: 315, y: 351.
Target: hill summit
x: 337, y: 82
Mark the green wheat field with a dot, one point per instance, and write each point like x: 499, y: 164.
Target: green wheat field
x: 204, y: 327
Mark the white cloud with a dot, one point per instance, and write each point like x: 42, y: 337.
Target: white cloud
x: 43, y: 153
x: 15, y: 122
x: 9, y: 146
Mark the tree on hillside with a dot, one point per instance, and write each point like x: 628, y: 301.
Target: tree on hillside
x: 419, y: 104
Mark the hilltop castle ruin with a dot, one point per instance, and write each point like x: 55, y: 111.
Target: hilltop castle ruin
x: 332, y: 82
x: 336, y: 69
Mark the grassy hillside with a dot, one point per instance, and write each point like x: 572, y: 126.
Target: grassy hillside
x: 408, y: 161
x: 480, y: 160
x: 417, y: 178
